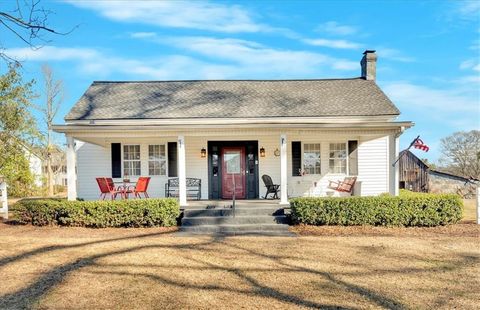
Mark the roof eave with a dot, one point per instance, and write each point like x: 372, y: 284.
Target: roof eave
x: 68, y: 128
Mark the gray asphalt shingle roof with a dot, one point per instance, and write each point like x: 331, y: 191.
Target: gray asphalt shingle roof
x: 232, y: 99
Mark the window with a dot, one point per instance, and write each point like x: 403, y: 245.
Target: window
x: 131, y: 160
x: 157, y: 161
x: 311, y: 158
x: 338, y: 158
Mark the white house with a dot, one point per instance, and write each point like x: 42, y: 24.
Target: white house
x: 35, y: 165
x: 302, y: 133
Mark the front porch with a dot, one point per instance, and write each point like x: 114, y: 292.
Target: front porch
x: 302, y: 161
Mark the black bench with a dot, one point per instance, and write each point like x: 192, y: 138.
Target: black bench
x: 194, y: 188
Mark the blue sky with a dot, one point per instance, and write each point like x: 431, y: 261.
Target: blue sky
x: 429, y: 52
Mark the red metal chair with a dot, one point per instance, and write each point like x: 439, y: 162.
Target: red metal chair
x: 139, y: 188
x: 107, y: 187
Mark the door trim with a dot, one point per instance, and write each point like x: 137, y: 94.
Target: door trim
x: 252, y: 179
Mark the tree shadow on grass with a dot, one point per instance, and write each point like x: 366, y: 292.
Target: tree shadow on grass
x: 32, y: 294
x: 47, y: 249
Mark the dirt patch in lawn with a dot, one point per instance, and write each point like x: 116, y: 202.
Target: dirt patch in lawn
x: 58, y: 268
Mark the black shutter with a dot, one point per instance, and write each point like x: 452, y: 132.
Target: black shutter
x: 172, y: 159
x: 353, y: 157
x: 116, y: 160
x: 296, y: 158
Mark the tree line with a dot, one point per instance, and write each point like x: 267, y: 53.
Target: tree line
x: 23, y: 136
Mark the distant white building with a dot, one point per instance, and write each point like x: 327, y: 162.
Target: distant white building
x: 35, y: 164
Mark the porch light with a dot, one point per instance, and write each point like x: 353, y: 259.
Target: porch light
x: 203, y: 153
x: 262, y: 152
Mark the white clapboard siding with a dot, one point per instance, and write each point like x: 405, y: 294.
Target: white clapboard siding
x: 373, y: 166
x: 92, y: 161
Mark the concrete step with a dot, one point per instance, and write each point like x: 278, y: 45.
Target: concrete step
x: 236, y: 229
x: 238, y: 211
x: 217, y: 220
x: 259, y: 233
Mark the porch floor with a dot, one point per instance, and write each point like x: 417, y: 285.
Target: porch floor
x: 226, y: 203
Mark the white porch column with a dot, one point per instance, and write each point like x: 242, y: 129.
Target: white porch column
x: 182, y: 180
x: 71, y: 169
x: 283, y: 170
x: 396, y: 179
x: 394, y: 171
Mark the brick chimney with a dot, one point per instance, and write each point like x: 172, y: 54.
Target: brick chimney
x: 369, y: 65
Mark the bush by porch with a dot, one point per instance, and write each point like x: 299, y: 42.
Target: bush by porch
x: 408, y: 210
x: 97, y: 214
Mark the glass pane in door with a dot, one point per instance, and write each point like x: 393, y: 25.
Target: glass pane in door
x: 232, y: 162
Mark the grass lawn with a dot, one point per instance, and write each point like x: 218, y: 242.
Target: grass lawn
x: 346, y: 267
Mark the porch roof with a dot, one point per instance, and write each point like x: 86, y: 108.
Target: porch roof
x: 185, y: 127
x: 232, y: 99
x: 101, y: 133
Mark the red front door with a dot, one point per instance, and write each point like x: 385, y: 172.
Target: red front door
x: 233, y: 172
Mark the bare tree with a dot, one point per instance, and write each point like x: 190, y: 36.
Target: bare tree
x: 460, y: 153
x: 54, y: 96
x: 28, y: 22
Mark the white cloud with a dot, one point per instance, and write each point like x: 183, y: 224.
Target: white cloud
x: 470, y: 64
x: 433, y: 100
x: 436, y: 111
x: 393, y: 54
x: 226, y: 58
x: 101, y: 65
x: 143, y: 35
x: 468, y: 9
x: 257, y: 58
x: 201, y: 15
x: 335, y: 28
x: 342, y: 44
x: 51, y: 53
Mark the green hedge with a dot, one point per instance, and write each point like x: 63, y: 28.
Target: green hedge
x: 116, y: 213
x: 413, y: 210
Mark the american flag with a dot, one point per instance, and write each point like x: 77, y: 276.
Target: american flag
x: 418, y: 144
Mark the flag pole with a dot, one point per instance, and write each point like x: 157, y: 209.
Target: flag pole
x: 404, y: 151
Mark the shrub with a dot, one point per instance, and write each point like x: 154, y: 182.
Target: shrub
x: 410, y: 210
x: 121, y: 213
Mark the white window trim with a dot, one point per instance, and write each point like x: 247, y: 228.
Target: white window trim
x: 165, y: 146
x: 123, y: 159
x: 302, y: 157
x: 346, y: 162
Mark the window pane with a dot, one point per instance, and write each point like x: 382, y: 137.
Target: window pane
x: 338, y: 158
x: 232, y: 160
x: 163, y: 168
x: 157, y: 160
x: 311, y: 158
x: 131, y: 160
